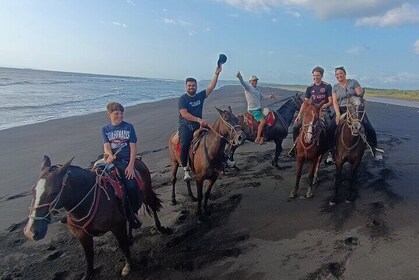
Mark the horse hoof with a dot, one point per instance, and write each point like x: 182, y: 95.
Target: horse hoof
x: 126, y: 270
x: 332, y: 203
x: 292, y: 195
x: 174, y: 202
x: 165, y: 230
x: 309, y: 195
x: 194, y: 199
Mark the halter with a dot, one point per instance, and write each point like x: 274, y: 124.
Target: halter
x: 232, y: 131
x: 54, y: 203
x: 315, y: 133
x: 51, y: 205
x: 352, y: 118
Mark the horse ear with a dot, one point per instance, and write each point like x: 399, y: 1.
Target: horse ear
x: 219, y: 111
x: 64, y: 168
x: 229, y: 108
x: 46, y: 162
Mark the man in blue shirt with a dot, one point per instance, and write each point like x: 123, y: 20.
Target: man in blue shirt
x: 191, y: 105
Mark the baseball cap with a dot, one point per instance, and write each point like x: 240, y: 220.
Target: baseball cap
x: 253, y: 77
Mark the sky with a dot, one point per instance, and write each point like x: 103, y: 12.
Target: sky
x: 280, y: 41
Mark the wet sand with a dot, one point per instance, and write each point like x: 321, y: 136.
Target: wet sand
x: 254, y: 232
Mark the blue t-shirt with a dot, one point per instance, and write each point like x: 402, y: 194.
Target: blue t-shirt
x: 119, y: 136
x: 193, y: 104
x: 318, y: 93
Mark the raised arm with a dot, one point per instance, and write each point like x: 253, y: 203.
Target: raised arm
x: 214, y: 81
x: 243, y: 83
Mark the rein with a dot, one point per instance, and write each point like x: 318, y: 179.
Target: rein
x: 281, y: 100
x: 232, y: 130
x: 315, y: 134
x: 54, y: 203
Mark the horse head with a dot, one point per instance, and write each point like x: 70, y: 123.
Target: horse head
x: 311, y: 116
x: 46, y: 195
x: 355, y: 114
x: 298, y: 100
x: 230, y: 127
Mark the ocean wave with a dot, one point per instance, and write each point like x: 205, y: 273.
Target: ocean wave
x: 81, y: 100
x: 36, y: 83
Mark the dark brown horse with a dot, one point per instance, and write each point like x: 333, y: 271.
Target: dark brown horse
x: 277, y: 131
x: 206, y: 158
x: 350, y: 145
x: 93, y: 208
x: 311, y: 144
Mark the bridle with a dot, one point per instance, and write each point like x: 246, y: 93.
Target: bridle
x: 352, y: 118
x: 233, y: 133
x: 311, y: 132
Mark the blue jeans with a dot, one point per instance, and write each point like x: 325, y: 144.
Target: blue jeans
x: 185, y: 139
x: 130, y: 185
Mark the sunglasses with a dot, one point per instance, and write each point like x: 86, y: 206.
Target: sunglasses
x: 339, y: 68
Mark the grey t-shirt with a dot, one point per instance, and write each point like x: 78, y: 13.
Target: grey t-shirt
x: 253, y: 96
x: 342, y: 93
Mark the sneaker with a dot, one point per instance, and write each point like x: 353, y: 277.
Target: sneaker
x: 230, y: 163
x: 329, y: 159
x: 187, y: 176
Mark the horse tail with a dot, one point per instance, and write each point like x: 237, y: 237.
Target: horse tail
x: 152, y: 202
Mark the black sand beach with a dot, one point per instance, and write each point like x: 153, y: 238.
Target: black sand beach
x: 254, y: 232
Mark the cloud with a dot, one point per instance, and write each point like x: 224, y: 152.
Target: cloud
x: 356, y: 50
x: 365, y: 12
x: 176, y: 22
x: 294, y: 14
x: 398, y: 80
x: 119, y: 24
x: 405, y: 14
x: 416, y: 47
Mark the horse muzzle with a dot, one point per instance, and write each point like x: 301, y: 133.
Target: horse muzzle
x: 355, y: 129
x: 36, y: 230
x: 240, y: 139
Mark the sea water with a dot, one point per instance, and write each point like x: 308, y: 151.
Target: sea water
x: 30, y: 96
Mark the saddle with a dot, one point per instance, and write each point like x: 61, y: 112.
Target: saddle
x: 269, y: 116
x: 108, y: 174
x: 197, y: 136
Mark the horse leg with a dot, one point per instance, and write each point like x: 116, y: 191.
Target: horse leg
x: 207, y: 195
x: 87, y: 244
x: 159, y: 227
x: 175, y: 166
x: 199, y: 186
x: 309, y: 192
x: 123, y: 241
x: 299, y: 169
x: 190, y: 194
x: 338, y: 181
x: 353, y: 191
x: 278, y: 150
x: 316, y: 171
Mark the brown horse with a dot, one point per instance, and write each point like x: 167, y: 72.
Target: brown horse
x: 93, y: 208
x: 206, y: 157
x: 350, y: 144
x: 311, y: 144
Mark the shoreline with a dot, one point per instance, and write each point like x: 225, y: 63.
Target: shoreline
x: 378, y: 99
x: 251, y: 218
